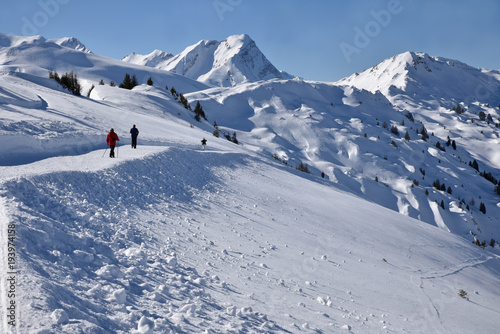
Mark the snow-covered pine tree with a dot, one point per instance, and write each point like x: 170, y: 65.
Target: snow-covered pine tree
x: 233, y: 138
x: 424, y: 134
x: 394, y: 130
x: 134, y: 81
x: 127, y: 82
x: 482, y: 208
x: 183, y: 101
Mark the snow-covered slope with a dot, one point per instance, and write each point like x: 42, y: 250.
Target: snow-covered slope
x: 7, y: 41
x: 183, y: 240
x: 358, y: 139
x: 36, y: 55
x: 235, y: 60
x: 173, y: 238
x: 26, y: 89
x: 335, y: 128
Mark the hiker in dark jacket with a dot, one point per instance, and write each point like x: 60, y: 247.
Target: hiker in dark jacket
x: 134, y: 132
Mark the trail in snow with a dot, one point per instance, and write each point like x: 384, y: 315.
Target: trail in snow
x: 88, y: 162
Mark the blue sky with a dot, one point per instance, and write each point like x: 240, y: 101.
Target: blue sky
x: 317, y: 39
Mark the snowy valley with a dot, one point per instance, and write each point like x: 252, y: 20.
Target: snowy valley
x: 232, y: 238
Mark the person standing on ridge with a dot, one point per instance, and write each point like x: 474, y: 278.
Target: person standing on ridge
x: 111, y: 139
x: 134, y: 132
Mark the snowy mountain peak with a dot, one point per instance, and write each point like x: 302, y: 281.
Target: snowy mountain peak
x: 237, y: 60
x: 424, y: 75
x: 154, y: 59
x: 393, y: 71
x: 422, y: 61
x: 70, y: 42
x: 230, y: 62
x: 239, y: 41
x: 243, y: 38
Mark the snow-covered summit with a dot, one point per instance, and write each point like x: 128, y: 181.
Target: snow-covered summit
x: 71, y: 42
x: 230, y: 62
x: 417, y: 73
x: 154, y: 59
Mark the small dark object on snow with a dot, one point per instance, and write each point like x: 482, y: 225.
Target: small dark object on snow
x: 203, y: 143
x: 462, y: 293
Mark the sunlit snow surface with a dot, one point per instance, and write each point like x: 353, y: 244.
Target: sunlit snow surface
x: 171, y: 238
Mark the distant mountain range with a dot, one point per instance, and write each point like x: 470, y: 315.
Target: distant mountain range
x: 228, y: 63
x: 16, y: 41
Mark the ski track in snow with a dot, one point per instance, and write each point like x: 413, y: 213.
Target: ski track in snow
x: 437, y: 325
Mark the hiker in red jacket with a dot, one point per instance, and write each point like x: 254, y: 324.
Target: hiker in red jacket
x: 111, y: 139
